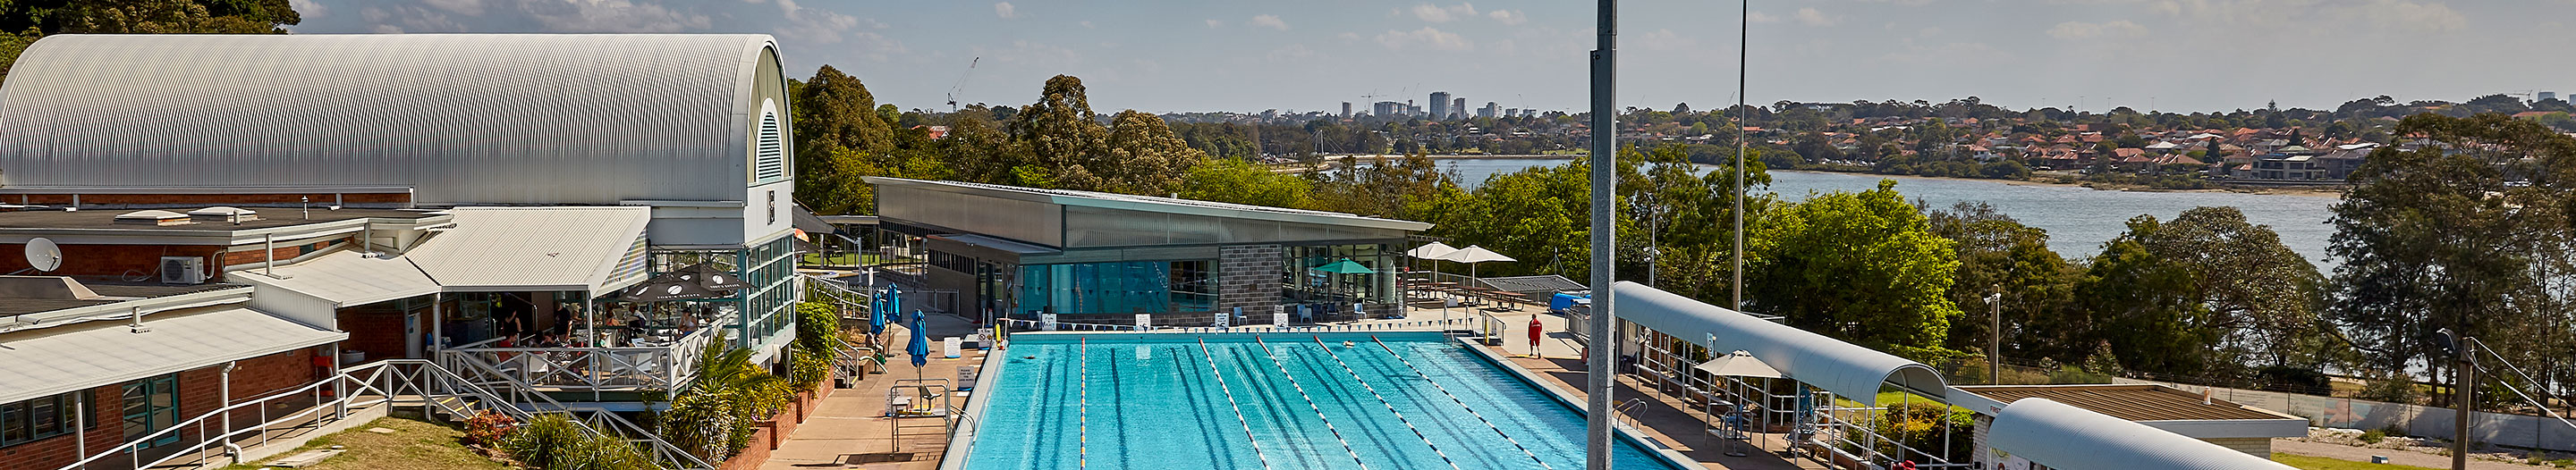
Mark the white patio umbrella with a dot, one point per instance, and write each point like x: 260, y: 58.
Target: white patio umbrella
x: 1472, y: 255
x: 1739, y: 364
x: 1433, y: 251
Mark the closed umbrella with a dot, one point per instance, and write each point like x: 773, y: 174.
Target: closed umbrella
x: 920, y: 347
x: 1739, y: 364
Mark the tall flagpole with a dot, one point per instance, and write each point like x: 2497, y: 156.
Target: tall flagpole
x: 1742, y: 117
x: 1605, y: 135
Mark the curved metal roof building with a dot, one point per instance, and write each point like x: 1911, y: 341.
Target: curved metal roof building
x: 458, y: 118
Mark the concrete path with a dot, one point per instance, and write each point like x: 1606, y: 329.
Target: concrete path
x: 849, y: 429
x: 2400, y: 457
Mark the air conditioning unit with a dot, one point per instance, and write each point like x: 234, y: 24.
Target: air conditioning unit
x: 183, y: 270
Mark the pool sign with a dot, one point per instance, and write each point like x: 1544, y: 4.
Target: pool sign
x: 1227, y: 319
x: 1279, y: 317
x: 1046, y: 322
x: 1144, y: 322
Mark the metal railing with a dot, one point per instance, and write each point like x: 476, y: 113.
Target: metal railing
x: 391, y: 382
x: 594, y: 369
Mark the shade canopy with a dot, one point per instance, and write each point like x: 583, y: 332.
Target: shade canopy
x: 1846, y: 369
x: 1345, y: 266
x: 1475, y: 254
x: 1739, y: 364
x: 2063, y: 436
x: 669, y: 287
x: 1435, y: 250
x: 712, y: 277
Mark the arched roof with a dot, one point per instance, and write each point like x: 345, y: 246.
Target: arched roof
x: 1846, y: 369
x: 462, y: 118
x: 2064, y: 436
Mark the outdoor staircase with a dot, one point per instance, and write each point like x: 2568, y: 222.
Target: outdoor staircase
x: 394, y: 383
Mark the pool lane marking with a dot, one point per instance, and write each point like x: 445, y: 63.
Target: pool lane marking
x: 1085, y: 426
x: 1462, y: 404
x: 1310, y: 401
x: 1229, y: 402
x: 1390, y: 406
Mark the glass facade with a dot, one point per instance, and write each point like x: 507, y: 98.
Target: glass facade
x: 1118, y: 287
x: 1306, y: 285
x: 770, y: 269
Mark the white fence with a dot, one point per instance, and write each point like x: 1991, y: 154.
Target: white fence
x: 2531, y: 432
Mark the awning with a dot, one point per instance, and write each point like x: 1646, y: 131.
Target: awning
x: 2063, y: 436
x: 499, y: 249
x: 346, y: 278
x: 79, y: 356
x: 1846, y: 369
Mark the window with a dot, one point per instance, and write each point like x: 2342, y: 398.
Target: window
x: 769, y: 153
x: 773, y: 207
x: 40, y: 418
x: 152, y: 405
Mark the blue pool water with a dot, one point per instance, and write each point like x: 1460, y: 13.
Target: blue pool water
x: 1156, y: 403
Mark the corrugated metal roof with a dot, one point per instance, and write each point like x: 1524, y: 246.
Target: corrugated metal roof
x: 346, y: 278
x: 536, y: 248
x: 2063, y: 436
x: 1846, y: 369
x: 65, y: 358
x: 1162, y: 204
x: 465, y: 118
x: 2129, y: 402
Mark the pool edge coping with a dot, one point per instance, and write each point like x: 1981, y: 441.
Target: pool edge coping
x: 961, y: 441
x: 1566, y: 399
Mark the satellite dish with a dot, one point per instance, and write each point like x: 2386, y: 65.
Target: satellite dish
x: 44, y: 255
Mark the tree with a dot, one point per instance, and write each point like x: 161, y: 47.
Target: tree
x: 2468, y: 233
x: 1999, y: 255
x: 839, y: 139
x: 1240, y: 182
x: 1143, y: 156
x: 22, y: 23
x: 1861, y: 267
x: 2204, y: 293
x: 1063, y: 139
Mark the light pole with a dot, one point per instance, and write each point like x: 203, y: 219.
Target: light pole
x: 2463, y: 392
x: 1995, y: 338
x: 1605, y: 135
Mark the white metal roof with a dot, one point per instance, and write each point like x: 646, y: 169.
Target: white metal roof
x: 598, y: 249
x: 1846, y: 369
x: 1158, y: 204
x: 74, y: 357
x: 2063, y: 436
x: 345, y: 278
x: 464, y: 118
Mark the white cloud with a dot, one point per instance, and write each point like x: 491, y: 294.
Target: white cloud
x: 1813, y: 17
x: 1666, y: 40
x: 1086, y: 24
x: 1509, y: 17
x: 1760, y: 17
x: 1270, y: 21
x: 1215, y: 23
x: 409, y: 19
x: 1005, y: 10
x: 611, y: 16
x: 1348, y: 37
x: 2404, y: 15
x: 2083, y: 30
x: 1441, y: 14
x: 1293, y: 52
x: 1975, y: 53
x: 461, y: 7
x: 1425, y: 38
x: 309, y: 10
x: 1910, y: 3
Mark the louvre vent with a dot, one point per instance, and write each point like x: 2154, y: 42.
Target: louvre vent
x: 770, y: 154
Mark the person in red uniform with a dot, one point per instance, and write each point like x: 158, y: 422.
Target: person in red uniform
x: 1536, y: 331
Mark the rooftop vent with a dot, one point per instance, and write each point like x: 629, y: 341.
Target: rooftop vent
x: 223, y: 214
x: 152, y: 217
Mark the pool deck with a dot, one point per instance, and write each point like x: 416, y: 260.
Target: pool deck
x: 848, y: 430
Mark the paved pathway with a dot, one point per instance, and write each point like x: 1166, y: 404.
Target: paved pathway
x: 2400, y: 457
x: 849, y: 429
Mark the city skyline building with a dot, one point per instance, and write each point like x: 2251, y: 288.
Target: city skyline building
x: 1440, y: 105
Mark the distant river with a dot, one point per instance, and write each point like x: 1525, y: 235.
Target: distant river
x: 2078, y: 220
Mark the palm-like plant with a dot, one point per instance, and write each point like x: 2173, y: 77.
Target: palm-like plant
x: 714, y: 415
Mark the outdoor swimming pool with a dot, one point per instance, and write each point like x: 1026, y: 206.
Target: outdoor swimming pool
x: 1164, y: 401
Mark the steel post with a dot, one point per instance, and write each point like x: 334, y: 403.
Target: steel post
x: 1604, y: 159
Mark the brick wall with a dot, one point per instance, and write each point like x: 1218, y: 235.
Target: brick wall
x: 111, y: 260
x: 254, y: 253
x: 318, y: 199
x: 200, y: 392
x: 376, y: 330
x: 1248, y: 276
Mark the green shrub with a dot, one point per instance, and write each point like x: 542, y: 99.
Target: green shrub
x: 555, y: 442
x: 1919, y: 427
x: 2373, y: 436
x: 715, y: 416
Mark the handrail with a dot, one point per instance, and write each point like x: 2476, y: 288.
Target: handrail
x: 1310, y: 401
x: 1462, y: 404
x: 1390, y: 406
x: 1219, y: 373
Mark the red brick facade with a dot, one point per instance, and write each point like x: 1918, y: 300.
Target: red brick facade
x: 87, y: 200
x: 377, y: 329
x: 200, y: 392
x: 113, y: 260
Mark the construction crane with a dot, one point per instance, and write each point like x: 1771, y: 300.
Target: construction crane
x: 961, y: 83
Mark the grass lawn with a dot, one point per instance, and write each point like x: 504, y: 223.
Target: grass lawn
x: 414, y: 445
x: 2322, y: 463
x: 840, y: 259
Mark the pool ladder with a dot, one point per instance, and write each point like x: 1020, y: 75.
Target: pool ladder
x: 1310, y: 401
x: 1390, y: 406
x: 1462, y: 404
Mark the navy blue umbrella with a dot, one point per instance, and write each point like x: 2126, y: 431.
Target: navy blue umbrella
x: 920, y: 347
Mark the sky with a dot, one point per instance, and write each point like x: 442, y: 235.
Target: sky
x: 1240, y: 55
